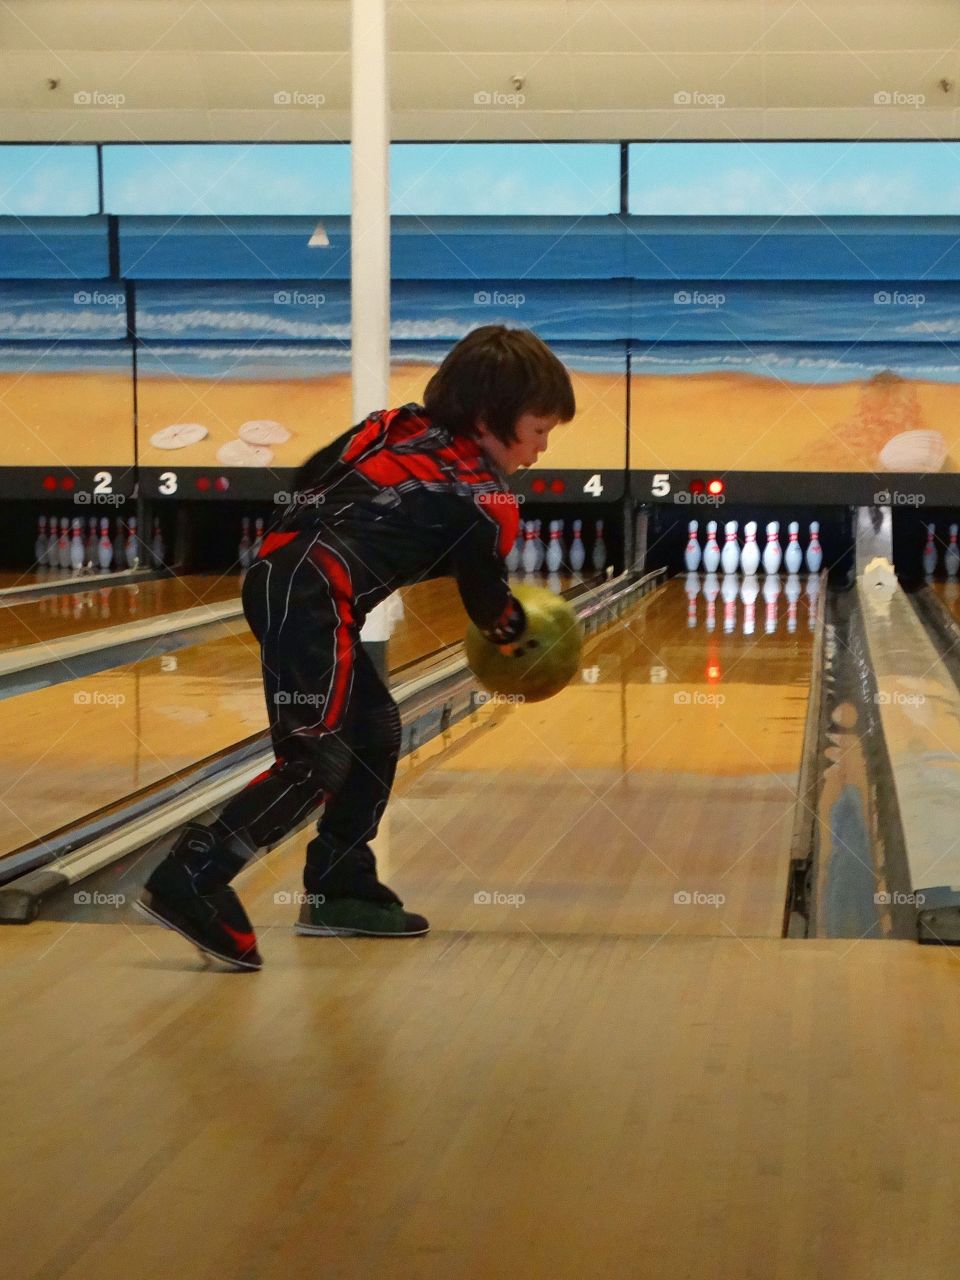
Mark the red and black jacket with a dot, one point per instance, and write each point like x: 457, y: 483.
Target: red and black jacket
x: 404, y: 500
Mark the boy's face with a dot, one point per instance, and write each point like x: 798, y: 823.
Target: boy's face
x: 530, y: 440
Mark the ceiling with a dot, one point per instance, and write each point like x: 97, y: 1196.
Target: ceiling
x: 213, y: 69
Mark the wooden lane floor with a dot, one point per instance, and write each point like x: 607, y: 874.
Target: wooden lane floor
x: 76, y: 747
x: 56, y: 616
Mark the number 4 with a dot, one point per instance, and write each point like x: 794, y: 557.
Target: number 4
x: 594, y: 485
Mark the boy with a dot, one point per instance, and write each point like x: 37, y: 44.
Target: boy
x: 408, y: 494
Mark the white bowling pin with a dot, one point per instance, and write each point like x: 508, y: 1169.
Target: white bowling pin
x: 538, y: 545
x: 930, y: 552
x: 63, y: 544
x: 772, y: 555
x: 599, y: 554
x: 578, y: 552
x: 814, y: 550
x: 730, y: 556
x: 554, y: 550
x: 711, y: 589
x: 528, y: 556
x: 771, y: 593
x: 105, y: 546
x: 692, y: 588
x: 513, y: 555
x: 90, y: 547
x: 711, y: 552
x: 76, y: 546
x: 40, y: 546
x: 750, y: 556
x: 951, y: 559
x: 132, y: 549
x: 691, y: 557
x: 793, y: 559
x: 52, y: 558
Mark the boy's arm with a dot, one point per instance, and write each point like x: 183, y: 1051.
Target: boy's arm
x: 478, y: 561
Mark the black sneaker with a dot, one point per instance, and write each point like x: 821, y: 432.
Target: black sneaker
x: 358, y: 918
x: 209, y: 915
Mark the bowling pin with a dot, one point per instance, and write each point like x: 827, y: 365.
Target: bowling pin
x: 793, y: 559
x: 771, y: 593
x: 157, y: 550
x: 76, y: 546
x: 51, y: 559
x: 40, y: 546
x: 730, y: 590
x: 528, y: 557
x: 748, y: 594
x: 951, y: 559
x: 538, y: 547
x: 792, y: 592
x: 711, y: 552
x: 730, y: 556
x: 243, y: 550
x: 63, y: 544
x: 599, y: 555
x: 692, y: 588
x: 132, y: 549
x: 750, y: 556
x: 711, y: 589
x: 578, y: 552
x: 814, y: 550
x: 554, y: 549
x: 513, y: 555
x: 691, y: 557
x: 90, y: 547
x: 772, y: 555
x: 930, y: 552
x: 257, y: 538
x: 105, y: 546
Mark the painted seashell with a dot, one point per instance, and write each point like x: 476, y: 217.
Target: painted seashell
x: 179, y: 436
x: 263, y: 431
x: 237, y: 453
x: 914, y: 451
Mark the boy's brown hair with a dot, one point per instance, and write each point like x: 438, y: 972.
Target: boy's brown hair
x: 498, y: 374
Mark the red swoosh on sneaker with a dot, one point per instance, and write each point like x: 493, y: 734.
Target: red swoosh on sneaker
x: 245, y: 941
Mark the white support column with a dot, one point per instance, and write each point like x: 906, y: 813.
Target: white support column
x: 370, y: 212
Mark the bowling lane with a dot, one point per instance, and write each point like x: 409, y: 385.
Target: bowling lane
x: 70, y: 613
x: 654, y: 796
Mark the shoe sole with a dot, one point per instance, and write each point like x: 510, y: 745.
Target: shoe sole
x: 332, y: 931
x: 240, y: 965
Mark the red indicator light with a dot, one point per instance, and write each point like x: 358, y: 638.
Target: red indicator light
x: 557, y: 486
x: 49, y: 482
x: 203, y: 483
x: 713, y: 673
x: 222, y: 484
x: 716, y: 486
x: 68, y: 483
x: 539, y: 486
x: 696, y: 486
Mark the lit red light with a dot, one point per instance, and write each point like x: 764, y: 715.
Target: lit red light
x: 557, y: 486
x: 203, y: 483
x: 68, y: 483
x: 716, y: 486
x: 222, y: 484
x: 49, y: 482
x: 696, y: 486
x: 539, y: 486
